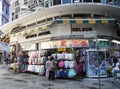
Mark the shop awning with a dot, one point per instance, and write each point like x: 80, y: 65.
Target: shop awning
x: 29, y: 31
x: 85, y: 21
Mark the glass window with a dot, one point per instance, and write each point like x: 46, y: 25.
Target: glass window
x: 25, y: 1
x: 76, y: 1
x: 56, y: 2
x: 87, y: 0
x: 97, y: 1
x: 46, y: 3
x: 66, y: 1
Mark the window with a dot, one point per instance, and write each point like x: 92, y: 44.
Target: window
x: 87, y: 0
x: 14, y: 30
x: 82, y: 15
x: 49, y: 19
x: 66, y: 1
x: 56, y: 2
x: 76, y: 1
x: 66, y: 16
x: 31, y: 36
x: 98, y: 16
x: 23, y: 27
x: 118, y: 33
x: 25, y: 1
x: 57, y: 17
x: 97, y: 1
x: 44, y: 33
x: 46, y: 3
x: 17, y: 9
x: 32, y: 24
x: 16, y: 3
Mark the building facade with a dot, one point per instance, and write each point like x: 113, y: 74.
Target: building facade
x: 65, y: 25
x: 4, y: 12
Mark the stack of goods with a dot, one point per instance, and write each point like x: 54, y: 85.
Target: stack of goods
x: 37, y: 61
x: 65, y: 65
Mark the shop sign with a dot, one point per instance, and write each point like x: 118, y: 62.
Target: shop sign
x: 47, y: 45
x: 28, y: 47
x: 80, y: 43
x: 103, y: 44
x: 90, y: 34
x: 81, y: 31
x: 62, y: 49
x: 62, y: 43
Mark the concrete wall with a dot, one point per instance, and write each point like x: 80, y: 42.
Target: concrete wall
x: 64, y: 30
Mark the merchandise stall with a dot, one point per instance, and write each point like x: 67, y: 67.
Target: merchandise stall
x: 37, y: 58
x: 37, y: 62
x: 96, y: 60
x: 64, y: 55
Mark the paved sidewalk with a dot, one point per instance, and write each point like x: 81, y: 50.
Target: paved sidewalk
x: 31, y: 81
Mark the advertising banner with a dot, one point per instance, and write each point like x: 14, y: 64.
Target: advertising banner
x: 80, y: 43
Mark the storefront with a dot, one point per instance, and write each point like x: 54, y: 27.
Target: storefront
x: 70, y: 39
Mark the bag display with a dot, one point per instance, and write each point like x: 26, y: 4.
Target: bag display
x: 60, y: 56
x: 71, y: 73
x: 69, y: 56
x: 43, y: 53
x: 61, y: 64
x: 42, y: 70
x: 54, y: 56
x: 37, y: 68
x: 66, y: 64
x: 72, y: 64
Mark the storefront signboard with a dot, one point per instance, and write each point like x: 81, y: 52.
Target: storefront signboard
x: 28, y: 47
x: 62, y: 43
x: 47, y: 45
x: 103, y: 44
x: 90, y: 34
x: 79, y: 43
x: 62, y: 49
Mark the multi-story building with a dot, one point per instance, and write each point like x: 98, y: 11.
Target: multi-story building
x: 4, y: 11
x: 65, y: 25
x: 4, y: 18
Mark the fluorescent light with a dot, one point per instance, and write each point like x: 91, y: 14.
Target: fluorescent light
x: 115, y: 41
x: 102, y: 39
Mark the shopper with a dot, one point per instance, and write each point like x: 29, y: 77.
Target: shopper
x: 20, y: 62
x: 26, y: 57
x: 50, y: 66
x: 116, y: 70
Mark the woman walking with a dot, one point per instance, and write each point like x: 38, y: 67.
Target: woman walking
x: 50, y: 68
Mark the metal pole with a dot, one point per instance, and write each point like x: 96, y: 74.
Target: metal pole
x: 98, y: 62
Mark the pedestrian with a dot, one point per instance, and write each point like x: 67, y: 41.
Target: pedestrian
x: 25, y: 62
x: 50, y: 68
x: 20, y: 62
x: 116, y: 70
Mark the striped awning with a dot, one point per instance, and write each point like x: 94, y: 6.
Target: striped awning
x: 85, y: 21
x: 29, y: 31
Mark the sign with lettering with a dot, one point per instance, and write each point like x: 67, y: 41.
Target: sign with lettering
x: 62, y: 49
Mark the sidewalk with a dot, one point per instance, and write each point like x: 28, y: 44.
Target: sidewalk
x: 31, y: 81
